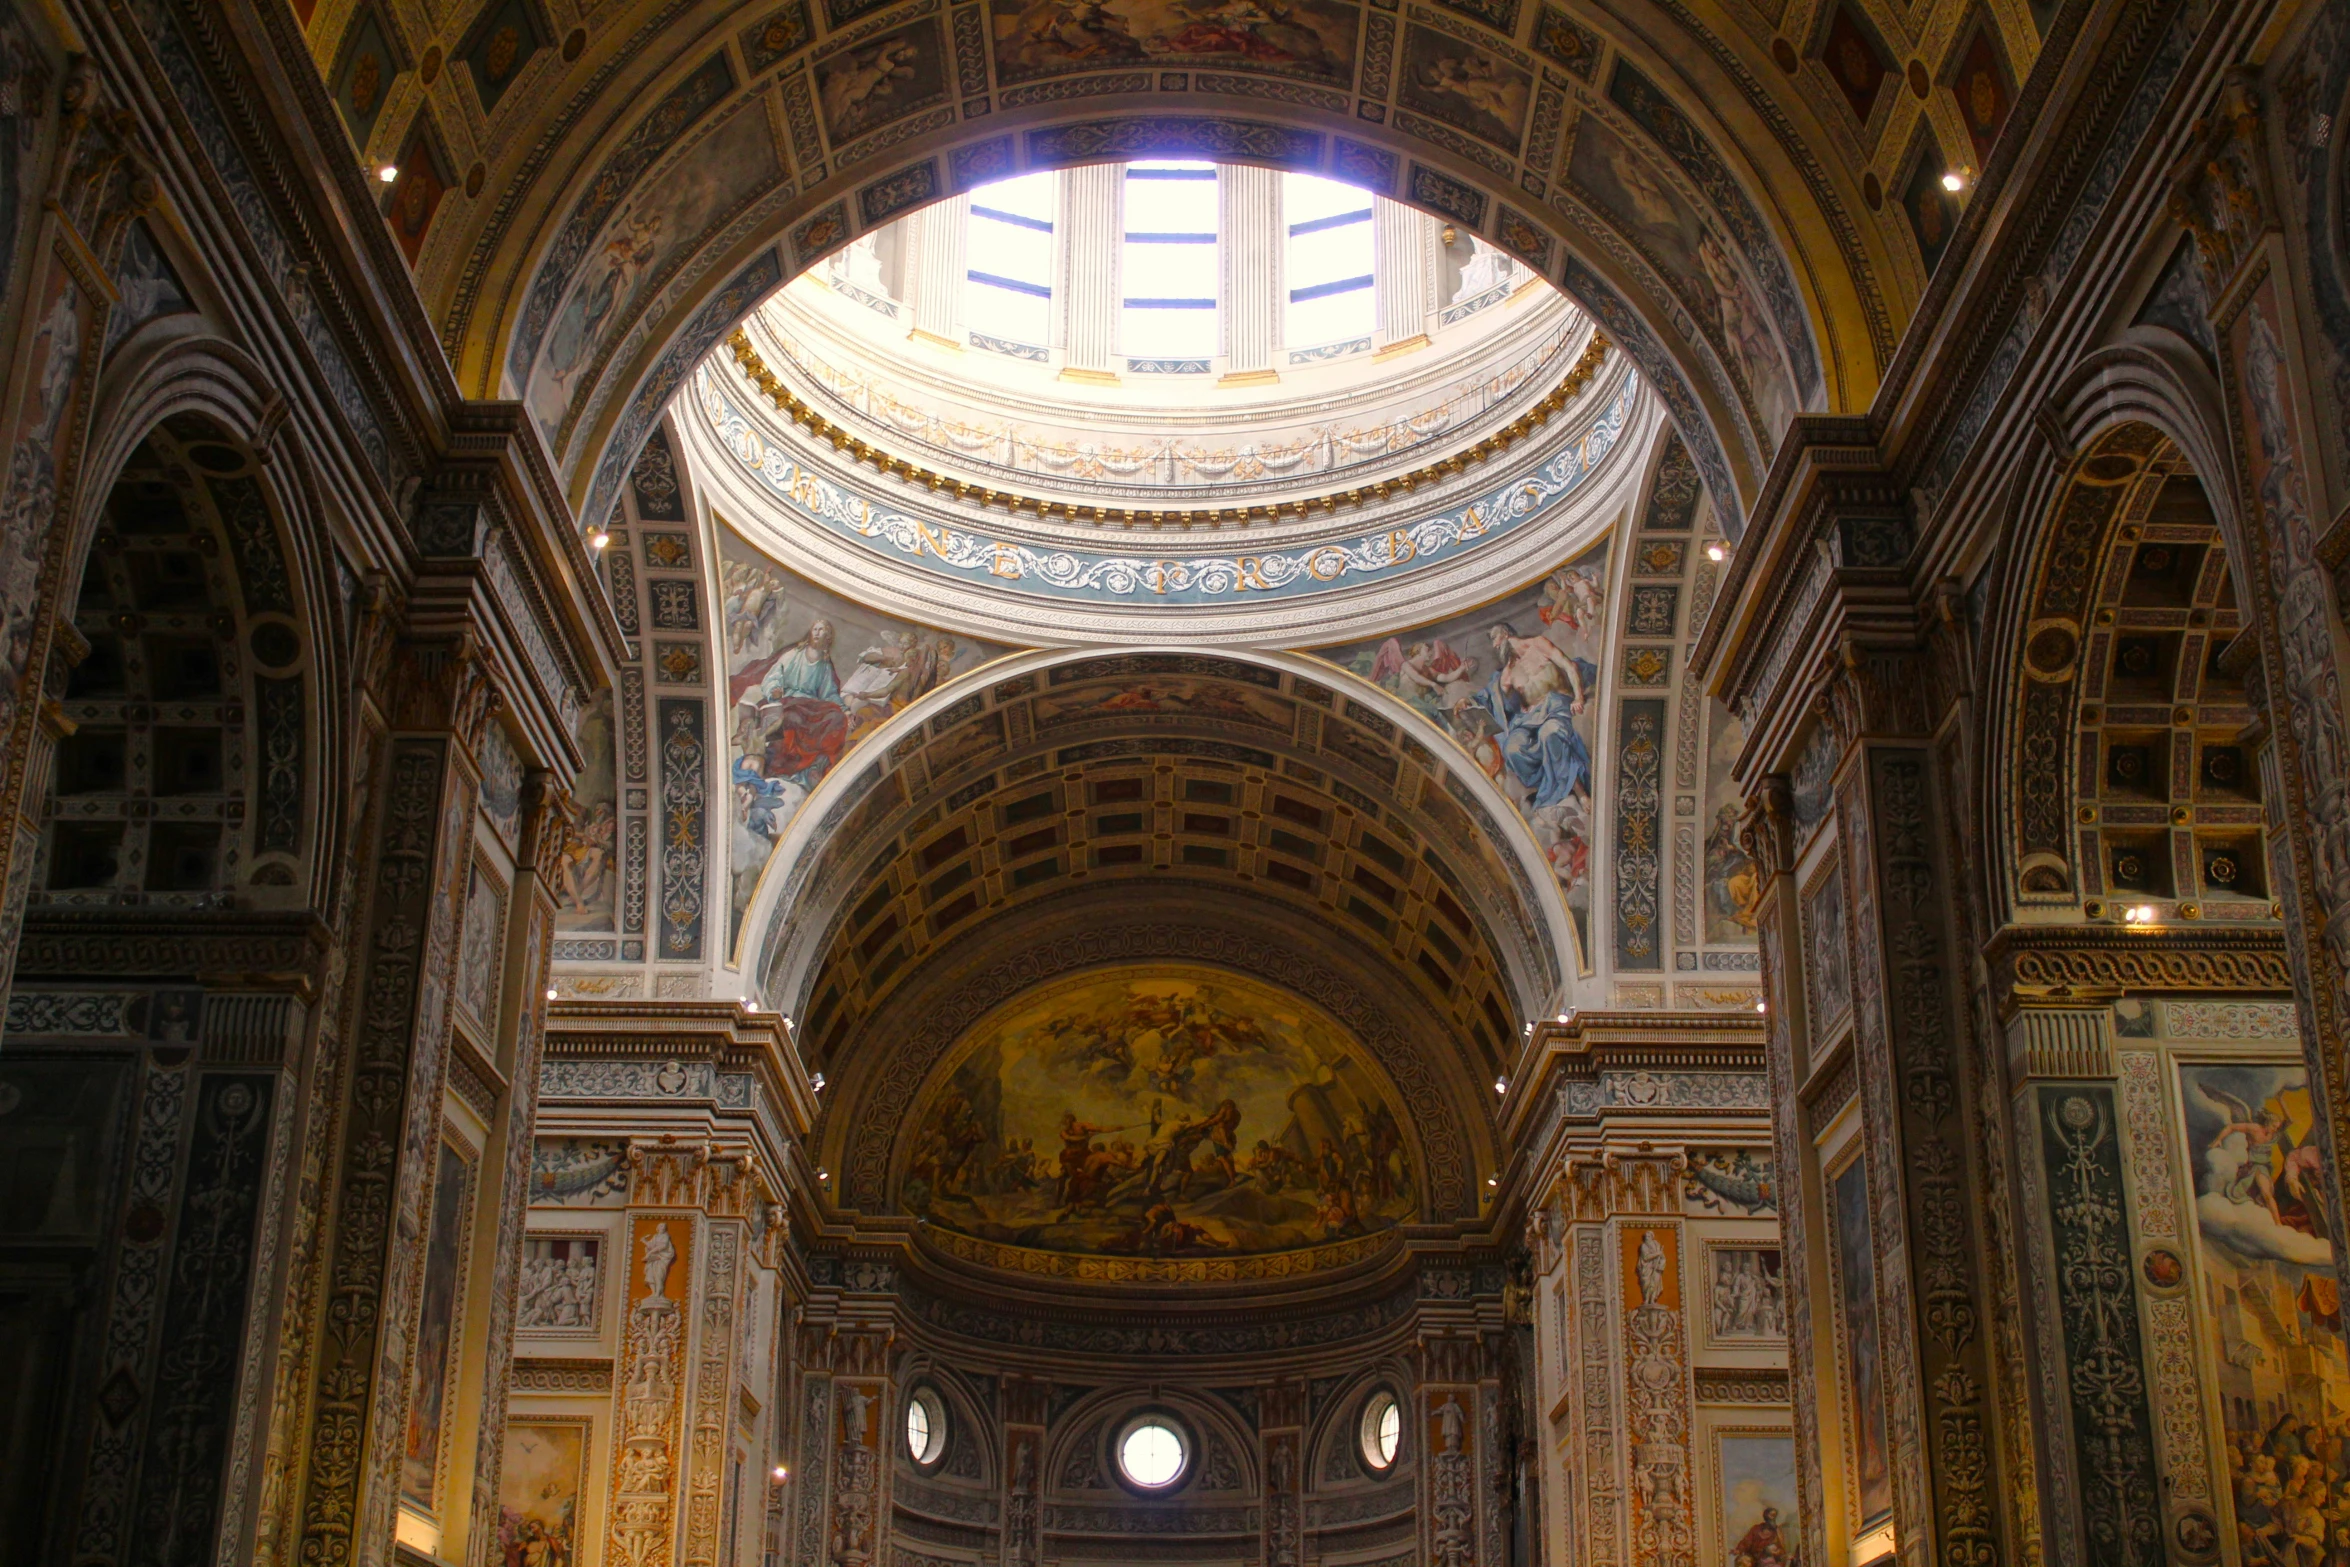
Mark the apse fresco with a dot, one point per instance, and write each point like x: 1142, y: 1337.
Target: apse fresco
x: 809, y: 674
x: 1515, y: 683
x: 2271, y: 1294
x: 1158, y: 1111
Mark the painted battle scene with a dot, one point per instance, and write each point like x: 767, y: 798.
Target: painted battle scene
x: 1160, y: 1111
x: 809, y: 674
x: 2272, y: 1298
x: 1310, y: 39
x: 1515, y: 683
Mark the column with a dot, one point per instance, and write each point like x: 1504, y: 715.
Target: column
x: 1093, y: 234
x: 1886, y: 1133
x: 1281, y: 1443
x: 1024, y: 1412
x: 1253, y: 242
x: 940, y: 232
x: 1402, y: 276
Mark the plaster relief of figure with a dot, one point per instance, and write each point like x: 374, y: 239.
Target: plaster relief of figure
x: 660, y: 1256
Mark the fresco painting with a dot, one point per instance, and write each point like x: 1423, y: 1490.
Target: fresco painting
x: 809, y: 674
x: 662, y: 222
x: 1465, y: 86
x: 1733, y: 892
x: 880, y: 79
x: 1515, y: 683
x: 1161, y: 1110
x: 587, y: 872
x: 2271, y: 1296
x: 1730, y: 1182
x: 1855, y: 1274
x: 436, y: 1327
x: 538, y: 1493
x: 1310, y: 39
x: 1757, y: 1496
x: 1699, y: 264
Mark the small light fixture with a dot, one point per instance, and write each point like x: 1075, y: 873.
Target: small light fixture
x: 818, y: 1083
x: 788, y: 1023
x: 1493, y: 1180
x: 780, y: 1474
x: 599, y: 539
x: 2139, y: 914
x: 551, y: 993
x: 1762, y: 1006
x: 1717, y: 552
x: 388, y: 173
x: 1501, y: 1085
x: 1954, y: 182
x: 824, y: 1175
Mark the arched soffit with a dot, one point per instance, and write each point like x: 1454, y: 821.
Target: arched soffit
x: 193, y: 681
x: 1357, y: 571
x: 1751, y: 216
x: 2129, y: 793
x: 1080, y: 1462
x: 1441, y: 868
x: 887, y: 1083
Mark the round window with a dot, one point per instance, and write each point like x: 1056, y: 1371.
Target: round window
x: 1382, y: 1430
x: 1152, y: 1454
x: 926, y: 1427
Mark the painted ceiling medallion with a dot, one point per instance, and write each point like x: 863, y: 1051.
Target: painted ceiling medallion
x: 1159, y: 1121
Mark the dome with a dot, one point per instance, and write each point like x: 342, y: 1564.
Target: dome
x: 1183, y: 391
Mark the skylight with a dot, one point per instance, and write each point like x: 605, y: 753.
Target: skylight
x: 1009, y: 256
x: 1169, y: 265
x: 1327, y: 265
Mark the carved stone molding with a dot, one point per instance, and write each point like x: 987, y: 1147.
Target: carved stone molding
x: 535, y: 1374
x: 2039, y: 961
x: 1741, y: 1385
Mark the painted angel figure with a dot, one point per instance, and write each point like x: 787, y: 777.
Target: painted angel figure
x: 1429, y: 674
x: 2276, y: 1171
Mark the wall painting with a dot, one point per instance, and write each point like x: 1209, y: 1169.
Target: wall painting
x: 1733, y: 892
x: 809, y: 674
x: 1159, y: 1110
x: 2272, y: 1302
x: 538, y: 1492
x: 1869, y: 1481
x: 1755, y: 1473
x: 1313, y: 40
x: 587, y: 873
x: 1736, y: 1182
x: 1515, y: 683
x: 436, y: 1326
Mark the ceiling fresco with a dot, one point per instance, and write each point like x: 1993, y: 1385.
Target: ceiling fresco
x: 605, y: 192
x: 1159, y: 1111
x: 1515, y: 684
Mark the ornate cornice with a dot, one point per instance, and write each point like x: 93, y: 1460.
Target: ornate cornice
x: 2029, y: 962
x: 858, y: 449
x: 146, y: 943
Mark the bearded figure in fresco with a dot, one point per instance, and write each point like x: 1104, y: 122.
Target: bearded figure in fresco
x: 789, y: 711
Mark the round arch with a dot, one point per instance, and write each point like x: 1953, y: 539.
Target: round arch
x: 1688, y: 188
x: 2125, y: 419
x: 786, y: 928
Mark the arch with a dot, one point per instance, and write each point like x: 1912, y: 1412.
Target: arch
x: 159, y: 378
x: 1335, y: 1427
x: 1096, y: 1417
x: 1734, y: 161
x: 2131, y: 421
x: 784, y: 937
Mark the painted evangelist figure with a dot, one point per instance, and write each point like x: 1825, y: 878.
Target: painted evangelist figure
x: 1516, y: 685
x: 1161, y: 1110
x: 2272, y: 1299
x: 809, y: 674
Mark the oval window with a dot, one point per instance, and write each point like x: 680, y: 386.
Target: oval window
x: 926, y: 1427
x: 1382, y: 1430
x: 1152, y: 1453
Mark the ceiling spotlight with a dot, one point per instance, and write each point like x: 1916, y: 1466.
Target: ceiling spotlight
x: 1762, y: 1006
x: 1501, y: 1085
x: 599, y: 539
x: 824, y: 1175
x: 1954, y: 182
x: 2139, y: 914
x: 1716, y: 552
x: 1493, y: 1180
x: 551, y: 993
x: 388, y: 173
x: 818, y: 1083
x: 780, y: 1473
